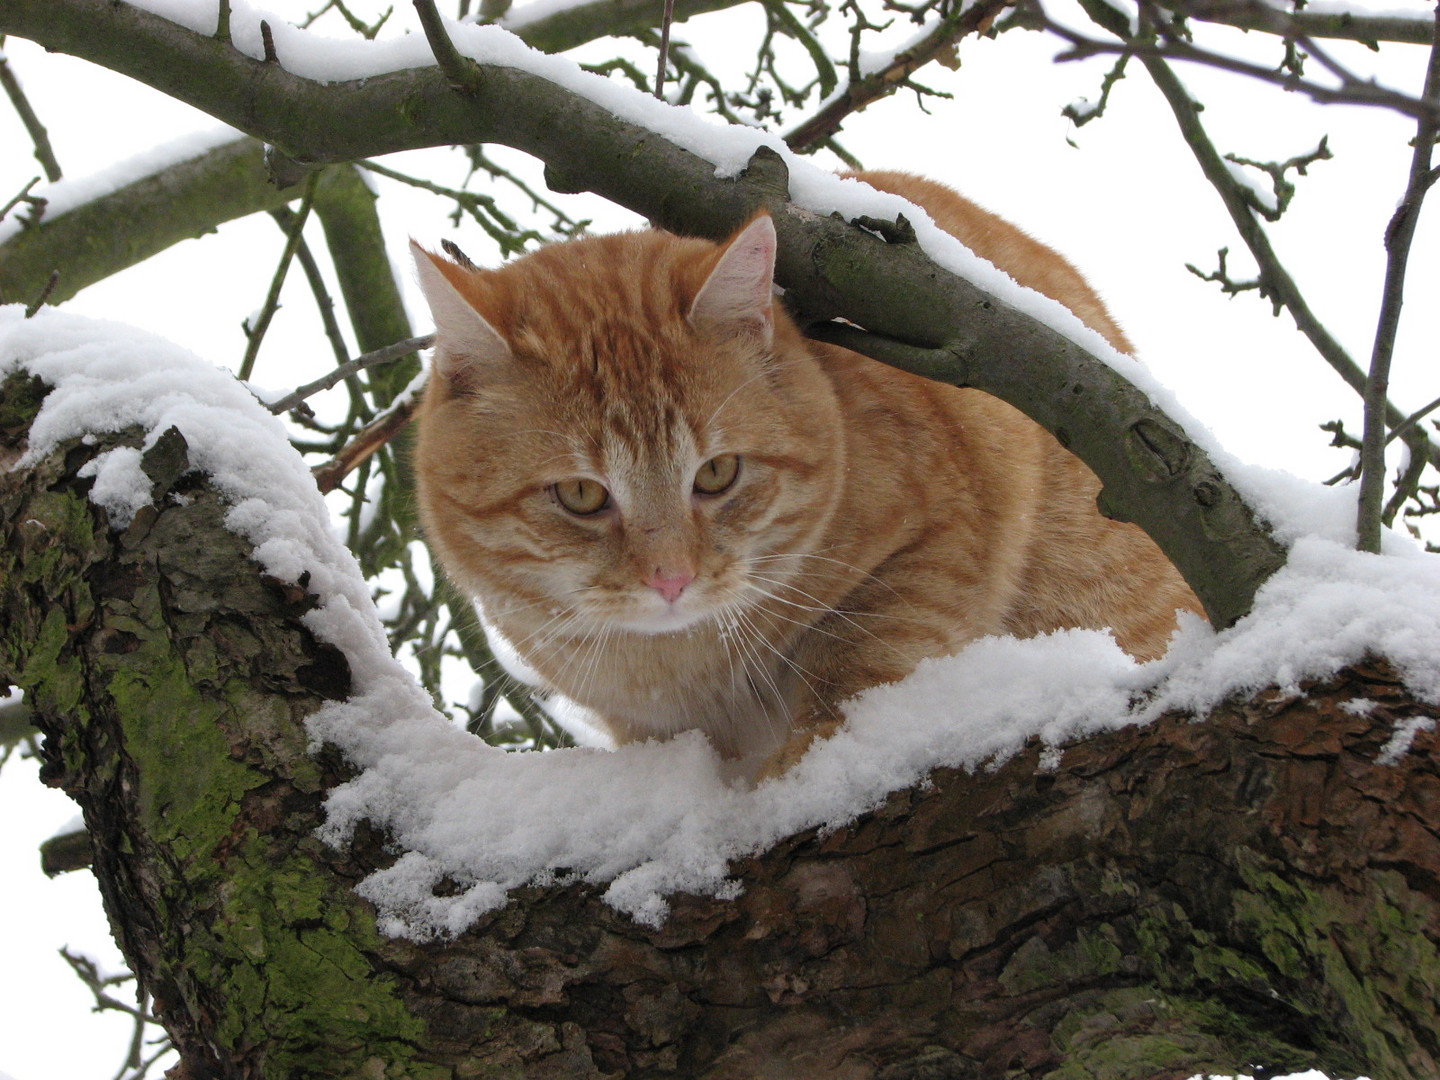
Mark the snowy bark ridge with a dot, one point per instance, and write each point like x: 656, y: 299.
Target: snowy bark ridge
x: 324, y: 103
x: 1154, y: 900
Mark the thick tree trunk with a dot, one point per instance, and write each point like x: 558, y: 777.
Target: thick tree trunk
x: 1249, y: 891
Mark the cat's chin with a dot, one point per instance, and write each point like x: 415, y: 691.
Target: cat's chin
x: 657, y: 623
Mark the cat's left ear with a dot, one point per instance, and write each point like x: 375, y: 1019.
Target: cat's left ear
x: 464, y: 338
x: 737, y: 296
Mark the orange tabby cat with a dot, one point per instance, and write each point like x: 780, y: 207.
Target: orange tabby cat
x: 683, y: 514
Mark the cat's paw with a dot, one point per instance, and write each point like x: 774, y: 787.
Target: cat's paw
x: 795, y: 748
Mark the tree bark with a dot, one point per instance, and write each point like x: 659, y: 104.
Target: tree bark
x: 1252, y: 891
x: 919, y: 315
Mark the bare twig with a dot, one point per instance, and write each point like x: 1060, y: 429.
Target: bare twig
x: 1339, y: 24
x: 267, y: 41
x: 1351, y: 91
x: 863, y: 90
x: 39, y: 301
x: 1275, y: 282
x: 462, y: 73
x: 369, y: 439
x: 44, y: 152
x: 387, y: 355
x: 1398, y: 237
x: 323, y: 303
x: 256, y: 333
x: 25, y: 197
x: 666, y: 19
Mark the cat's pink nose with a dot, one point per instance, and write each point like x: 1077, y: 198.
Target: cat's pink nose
x: 670, y: 586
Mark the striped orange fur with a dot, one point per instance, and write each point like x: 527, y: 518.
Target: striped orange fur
x: 682, y: 514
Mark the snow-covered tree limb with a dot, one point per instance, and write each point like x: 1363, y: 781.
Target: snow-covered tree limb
x: 1160, y: 900
x: 1152, y: 473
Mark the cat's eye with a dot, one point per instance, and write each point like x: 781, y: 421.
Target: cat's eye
x: 582, y: 497
x: 717, y: 474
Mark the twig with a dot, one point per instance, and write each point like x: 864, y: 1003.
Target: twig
x: 1275, y: 282
x: 666, y: 19
x: 44, y: 153
x: 49, y: 288
x: 256, y: 333
x: 222, y: 22
x: 1398, y: 237
x: 267, y: 41
x: 24, y: 197
x: 388, y: 354
x: 462, y: 73
x: 1352, y: 91
x: 862, y: 91
x: 1344, y: 25
x: 323, y: 303
x: 369, y: 439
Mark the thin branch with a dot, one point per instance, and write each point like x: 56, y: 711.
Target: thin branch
x: 462, y: 73
x: 323, y: 303
x: 666, y: 19
x: 863, y: 91
x: 387, y: 355
x: 1342, y: 25
x: 1352, y: 90
x: 369, y: 439
x: 1275, y: 282
x: 1398, y: 237
x: 44, y: 152
x: 256, y: 333
x: 35, y: 305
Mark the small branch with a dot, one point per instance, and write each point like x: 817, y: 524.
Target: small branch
x: 862, y: 91
x: 1398, y: 237
x: 256, y: 333
x: 267, y: 40
x: 462, y: 73
x: 387, y: 355
x: 25, y: 197
x: 39, y: 302
x: 222, y: 23
x: 1351, y: 91
x: 65, y: 852
x: 666, y: 19
x: 323, y: 303
x: 44, y: 153
x: 369, y: 439
x: 1342, y: 25
x: 1275, y: 282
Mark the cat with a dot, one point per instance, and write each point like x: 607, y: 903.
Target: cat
x: 682, y: 514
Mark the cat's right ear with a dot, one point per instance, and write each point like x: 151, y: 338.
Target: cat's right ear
x: 463, y: 339
x: 736, y: 297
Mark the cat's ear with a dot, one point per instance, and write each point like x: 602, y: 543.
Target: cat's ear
x: 736, y: 297
x: 463, y: 337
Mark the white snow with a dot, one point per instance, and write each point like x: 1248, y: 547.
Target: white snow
x: 646, y: 821
x: 1399, y: 744
x: 68, y: 194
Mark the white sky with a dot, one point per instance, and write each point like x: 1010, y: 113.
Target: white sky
x: 1125, y: 206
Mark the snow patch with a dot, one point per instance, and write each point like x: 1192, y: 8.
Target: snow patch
x: 649, y: 820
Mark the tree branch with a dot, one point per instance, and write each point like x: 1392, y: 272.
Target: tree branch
x: 1151, y: 473
x: 1343, y: 25
x: 44, y: 152
x: 961, y: 21
x: 1167, y: 899
x: 1398, y: 237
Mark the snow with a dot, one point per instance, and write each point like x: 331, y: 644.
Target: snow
x: 646, y: 821
x: 68, y: 194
